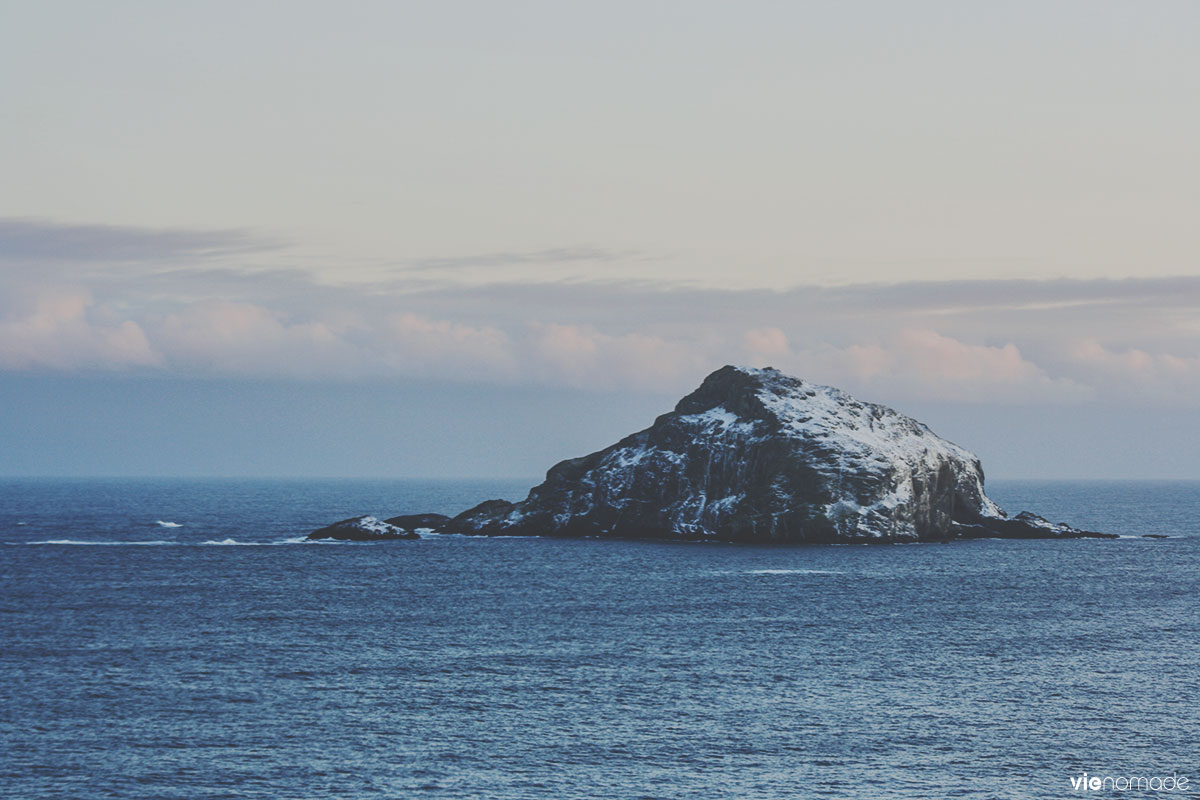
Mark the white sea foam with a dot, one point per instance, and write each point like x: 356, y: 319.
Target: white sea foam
x: 168, y: 524
x: 275, y: 543
x: 127, y: 542
x: 793, y: 572
x: 99, y: 542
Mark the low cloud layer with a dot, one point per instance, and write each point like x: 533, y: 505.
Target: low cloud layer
x: 1016, y: 342
x: 881, y: 349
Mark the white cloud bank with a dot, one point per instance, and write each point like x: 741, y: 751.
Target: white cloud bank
x: 875, y: 341
x: 918, y: 362
x: 51, y: 327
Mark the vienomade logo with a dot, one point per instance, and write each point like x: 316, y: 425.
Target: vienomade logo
x: 1122, y: 783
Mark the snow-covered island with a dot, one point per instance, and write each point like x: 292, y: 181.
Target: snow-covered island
x: 754, y: 455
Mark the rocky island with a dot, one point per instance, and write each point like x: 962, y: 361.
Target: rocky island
x: 754, y: 455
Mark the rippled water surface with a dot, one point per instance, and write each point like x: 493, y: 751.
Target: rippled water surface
x: 166, y: 661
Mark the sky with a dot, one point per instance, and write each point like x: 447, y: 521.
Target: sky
x: 474, y: 238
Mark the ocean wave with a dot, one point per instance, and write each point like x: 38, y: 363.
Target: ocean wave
x: 230, y: 542
x: 164, y: 524
x: 96, y: 542
x: 274, y: 543
x: 793, y: 572
x: 138, y: 543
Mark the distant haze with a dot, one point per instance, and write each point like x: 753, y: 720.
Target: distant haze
x: 470, y: 239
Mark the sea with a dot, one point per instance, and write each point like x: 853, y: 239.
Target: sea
x: 177, y: 638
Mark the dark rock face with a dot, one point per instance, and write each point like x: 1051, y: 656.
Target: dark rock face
x: 413, y: 522
x: 362, y: 529
x: 756, y: 456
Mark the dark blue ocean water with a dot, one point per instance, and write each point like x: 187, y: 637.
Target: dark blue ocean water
x: 528, y: 668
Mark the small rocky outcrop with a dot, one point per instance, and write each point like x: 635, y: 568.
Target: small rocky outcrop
x: 363, y: 529
x: 1025, y: 525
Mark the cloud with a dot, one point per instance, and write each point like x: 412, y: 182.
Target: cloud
x: 953, y: 369
x: 222, y: 337
x: 51, y: 328
x: 582, y: 356
x: 1008, y: 341
x: 925, y: 364
x: 553, y: 255
x: 1135, y: 372
x: 439, y: 348
x: 1133, y: 362
x: 763, y: 344
x: 943, y: 358
x: 26, y: 240
x: 953, y: 303
x: 246, y: 339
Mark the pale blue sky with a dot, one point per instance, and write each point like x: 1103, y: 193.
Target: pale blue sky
x: 981, y: 212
